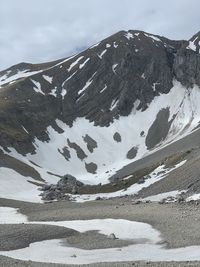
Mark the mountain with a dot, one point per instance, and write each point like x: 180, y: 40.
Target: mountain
x: 98, y: 115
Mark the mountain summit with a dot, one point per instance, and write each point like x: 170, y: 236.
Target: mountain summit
x: 92, y: 114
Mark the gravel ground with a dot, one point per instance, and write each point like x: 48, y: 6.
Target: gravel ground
x: 178, y: 223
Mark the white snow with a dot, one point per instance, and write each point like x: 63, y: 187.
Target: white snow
x: 146, y: 245
x: 114, y: 104
x: 63, y: 93
x: 84, y: 63
x: 129, y: 35
x: 153, y: 37
x: 158, y: 174
x: 69, y: 78
x: 154, y: 86
x: 192, y: 45
x: 74, y: 63
x: 102, y: 90
x: 48, y: 78
x: 53, y: 92
x: 159, y: 197
x: 193, y: 197
x: 25, y: 129
x: 94, y: 45
x: 11, y: 215
x: 114, y: 67
x: 37, y: 87
x: 102, y: 53
x: 87, y: 84
x: 15, y: 186
x: 21, y: 74
x: 108, y: 45
x: 115, y: 45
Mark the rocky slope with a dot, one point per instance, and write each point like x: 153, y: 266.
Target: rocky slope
x: 93, y: 113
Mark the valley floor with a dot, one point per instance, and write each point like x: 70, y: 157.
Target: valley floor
x: 178, y: 223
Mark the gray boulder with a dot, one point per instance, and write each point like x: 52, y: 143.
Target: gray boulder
x: 69, y: 184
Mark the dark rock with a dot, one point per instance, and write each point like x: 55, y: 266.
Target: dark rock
x: 132, y: 153
x: 117, y: 137
x: 69, y: 183
x: 141, y: 180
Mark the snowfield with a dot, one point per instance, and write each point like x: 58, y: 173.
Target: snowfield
x: 147, y: 243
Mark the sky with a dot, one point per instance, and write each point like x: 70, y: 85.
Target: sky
x: 44, y: 30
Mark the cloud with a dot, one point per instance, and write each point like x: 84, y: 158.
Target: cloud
x: 43, y: 30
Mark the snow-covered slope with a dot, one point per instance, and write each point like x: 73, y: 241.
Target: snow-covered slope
x: 94, y: 113
x: 93, y: 153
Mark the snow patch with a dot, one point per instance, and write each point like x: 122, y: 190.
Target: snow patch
x: 15, y: 186
x: 101, y: 55
x: 37, y: 87
x: 146, y: 245
x: 114, y: 67
x: 84, y: 63
x: 53, y: 92
x: 105, y: 87
x: 87, y: 84
x: 152, y: 37
x: 192, y: 45
x: 115, y: 45
x: 74, y: 63
x: 48, y: 78
x: 11, y: 215
x: 129, y: 35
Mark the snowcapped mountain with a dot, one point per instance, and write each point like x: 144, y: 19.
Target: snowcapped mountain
x: 94, y: 113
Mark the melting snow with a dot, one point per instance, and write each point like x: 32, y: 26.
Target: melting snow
x: 114, y: 67
x: 24, y: 127
x: 153, y: 37
x: 74, y: 63
x: 114, y: 104
x: 192, y: 45
x: 101, y: 55
x: 15, y: 186
x: 48, y: 78
x: 37, y: 89
x: 193, y: 197
x: 94, y: 45
x: 129, y: 35
x: 156, y: 175
x: 159, y: 197
x: 115, y: 45
x: 69, y: 78
x: 11, y: 215
x: 53, y: 92
x: 21, y: 74
x: 87, y: 84
x: 63, y: 93
x: 84, y: 63
x: 102, y: 90
x: 146, y: 245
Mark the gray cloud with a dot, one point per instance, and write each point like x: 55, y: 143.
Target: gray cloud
x: 43, y: 30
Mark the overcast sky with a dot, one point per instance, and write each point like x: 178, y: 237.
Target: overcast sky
x: 43, y: 30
